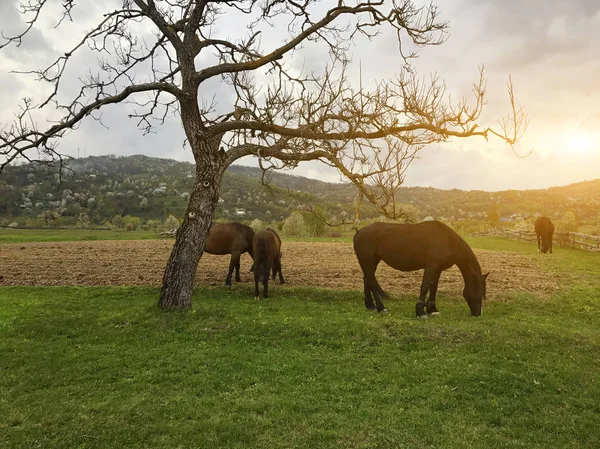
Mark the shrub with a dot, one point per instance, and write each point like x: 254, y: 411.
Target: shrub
x: 118, y: 221
x: 131, y: 222
x: 49, y: 218
x: 83, y: 221
x: 154, y: 224
x: 258, y: 225
x: 294, y: 224
x: 171, y: 224
x: 315, y: 224
x: 568, y: 223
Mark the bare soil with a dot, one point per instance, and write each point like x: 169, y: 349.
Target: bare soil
x: 329, y: 265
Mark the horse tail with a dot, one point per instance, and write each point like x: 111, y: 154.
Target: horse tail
x: 261, y: 256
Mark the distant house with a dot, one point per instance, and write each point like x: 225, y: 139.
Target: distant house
x: 240, y: 212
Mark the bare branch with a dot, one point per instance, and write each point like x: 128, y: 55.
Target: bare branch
x: 23, y: 135
x: 264, y: 106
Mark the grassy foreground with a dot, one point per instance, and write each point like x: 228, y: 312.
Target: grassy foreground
x: 103, y: 368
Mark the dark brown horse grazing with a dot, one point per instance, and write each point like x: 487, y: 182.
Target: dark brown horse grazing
x: 277, y: 266
x: 430, y: 245
x: 230, y: 238
x: 544, y: 229
x: 267, y: 257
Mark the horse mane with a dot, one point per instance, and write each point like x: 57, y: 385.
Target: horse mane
x: 461, y: 245
x: 243, y: 229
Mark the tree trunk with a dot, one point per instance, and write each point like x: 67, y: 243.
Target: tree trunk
x: 180, y: 273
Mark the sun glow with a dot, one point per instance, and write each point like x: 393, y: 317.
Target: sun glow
x: 578, y: 141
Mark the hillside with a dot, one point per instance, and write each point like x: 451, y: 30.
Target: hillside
x: 152, y: 188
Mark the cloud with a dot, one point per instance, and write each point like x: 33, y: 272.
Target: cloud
x: 549, y: 48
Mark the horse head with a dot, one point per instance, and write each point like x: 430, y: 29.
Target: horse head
x: 474, y: 293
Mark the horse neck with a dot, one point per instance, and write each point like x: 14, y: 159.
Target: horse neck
x: 469, y: 268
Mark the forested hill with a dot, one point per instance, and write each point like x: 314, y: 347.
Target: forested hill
x: 153, y: 188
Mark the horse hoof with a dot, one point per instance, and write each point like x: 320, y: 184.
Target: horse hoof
x: 424, y: 317
x: 385, y: 312
x: 435, y: 313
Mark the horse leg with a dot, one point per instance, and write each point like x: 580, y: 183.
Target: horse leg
x: 369, y: 304
x: 237, y: 271
x: 376, y: 290
x: 266, y: 282
x: 369, y: 281
x: 539, y: 247
x: 256, y: 279
x: 428, y: 275
x: 431, y: 309
x: 235, y: 260
x: 281, y: 280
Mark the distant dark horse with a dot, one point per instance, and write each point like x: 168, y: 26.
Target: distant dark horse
x: 430, y: 245
x: 230, y: 238
x: 544, y: 230
x: 267, y: 257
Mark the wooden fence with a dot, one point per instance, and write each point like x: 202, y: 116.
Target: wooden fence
x: 565, y: 239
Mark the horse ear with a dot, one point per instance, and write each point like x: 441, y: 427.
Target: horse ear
x: 486, y: 275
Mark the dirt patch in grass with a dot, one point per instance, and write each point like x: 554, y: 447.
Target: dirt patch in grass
x: 329, y: 265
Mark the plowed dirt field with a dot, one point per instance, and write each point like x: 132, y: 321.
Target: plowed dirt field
x: 330, y: 265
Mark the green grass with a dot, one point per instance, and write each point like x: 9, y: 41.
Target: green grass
x: 103, y: 368
x: 308, y: 368
x: 565, y: 261
x: 8, y: 235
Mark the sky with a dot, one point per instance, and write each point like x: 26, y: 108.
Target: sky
x: 551, y: 49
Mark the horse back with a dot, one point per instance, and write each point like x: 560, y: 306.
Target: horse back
x: 266, y: 247
x: 277, y: 239
x: 543, y: 226
x: 409, y: 247
x: 225, y: 238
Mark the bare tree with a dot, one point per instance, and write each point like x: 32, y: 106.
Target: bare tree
x: 369, y: 135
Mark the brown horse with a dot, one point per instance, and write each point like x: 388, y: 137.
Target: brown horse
x: 267, y: 257
x: 276, y: 266
x: 430, y: 245
x: 230, y: 238
x: 544, y: 230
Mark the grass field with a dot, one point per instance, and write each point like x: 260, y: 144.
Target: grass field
x: 308, y: 368
x: 9, y: 235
